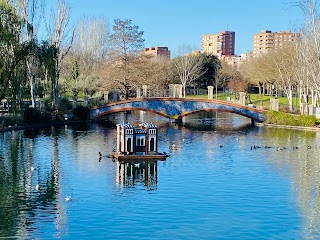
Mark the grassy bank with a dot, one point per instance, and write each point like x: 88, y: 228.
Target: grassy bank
x: 281, y: 118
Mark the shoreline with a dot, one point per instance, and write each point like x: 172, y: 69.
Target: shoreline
x: 53, y: 124
x: 287, y: 126
x: 44, y: 125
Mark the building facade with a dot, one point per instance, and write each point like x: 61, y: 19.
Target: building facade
x: 266, y: 40
x: 219, y: 44
x: 158, y: 52
x: 234, y: 60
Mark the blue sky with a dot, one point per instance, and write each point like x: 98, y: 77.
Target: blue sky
x: 174, y: 23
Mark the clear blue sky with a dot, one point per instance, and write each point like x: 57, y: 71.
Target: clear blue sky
x: 174, y: 23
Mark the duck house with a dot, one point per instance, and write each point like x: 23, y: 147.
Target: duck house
x: 138, y: 142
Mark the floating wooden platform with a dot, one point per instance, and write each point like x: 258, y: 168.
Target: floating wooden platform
x: 121, y: 157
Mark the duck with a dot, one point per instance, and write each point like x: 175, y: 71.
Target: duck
x: 173, y: 146
x: 37, y: 187
x: 137, y: 165
x: 220, y: 146
x: 67, y: 198
x: 280, y: 148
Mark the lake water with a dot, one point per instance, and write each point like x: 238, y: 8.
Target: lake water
x: 213, y: 186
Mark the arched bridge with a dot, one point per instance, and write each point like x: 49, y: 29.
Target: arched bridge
x: 176, y: 108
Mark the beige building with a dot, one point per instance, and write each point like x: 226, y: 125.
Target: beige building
x: 219, y: 44
x: 267, y: 40
x: 234, y: 60
x: 158, y: 51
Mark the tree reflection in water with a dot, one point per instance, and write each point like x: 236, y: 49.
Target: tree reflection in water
x: 302, y: 161
x: 21, y: 203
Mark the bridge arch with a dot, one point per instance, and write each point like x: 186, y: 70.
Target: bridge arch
x: 176, y: 108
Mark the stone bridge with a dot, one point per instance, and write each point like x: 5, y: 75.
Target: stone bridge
x: 176, y: 108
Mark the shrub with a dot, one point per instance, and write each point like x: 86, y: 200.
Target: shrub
x: 65, y: 104
x: 281, y: 118
x: 307, y: 121
x: 31, y: 115
x: 47, y: 103
x: 81, y: 113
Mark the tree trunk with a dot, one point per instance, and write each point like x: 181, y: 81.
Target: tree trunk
x: 289, y: 96
x: 32, y: 84
x: 259, y: 89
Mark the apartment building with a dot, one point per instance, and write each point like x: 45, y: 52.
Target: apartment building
x: 234, y: 60
x: 266, y: 40
x: 158, y: 51
x: 219, y: 44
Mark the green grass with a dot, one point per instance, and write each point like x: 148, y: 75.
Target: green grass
x: 256, y: 99
x: 221, y: 96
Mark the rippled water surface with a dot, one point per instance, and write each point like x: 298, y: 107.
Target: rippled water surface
x: 213, y: 186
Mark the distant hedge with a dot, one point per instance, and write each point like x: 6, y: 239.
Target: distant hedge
x: 32, y: 116
x: 281, y: 118
x: 81, y: 113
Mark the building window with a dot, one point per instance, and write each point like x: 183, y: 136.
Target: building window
x: 140, y: 141
x: 129, y: 131
x: 152, y: 131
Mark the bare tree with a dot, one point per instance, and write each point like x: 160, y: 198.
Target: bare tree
x: 285, y: 63
x: 309, y: 52
x: 153, y: 72
x: 58, y: 36
x: 259, y: 71
x: 126, y: 41
x: 31, y: 12
x: 189, y: 68
x: 237, y: 85
x: 92, y: 42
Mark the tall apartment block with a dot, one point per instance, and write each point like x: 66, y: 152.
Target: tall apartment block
x: 158, y: 51
x: 219, y: 44
x: 267, y: 40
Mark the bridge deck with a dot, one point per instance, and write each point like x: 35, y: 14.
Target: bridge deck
x: 177, y: 108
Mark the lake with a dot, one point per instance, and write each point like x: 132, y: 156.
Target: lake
x: 225, y: 180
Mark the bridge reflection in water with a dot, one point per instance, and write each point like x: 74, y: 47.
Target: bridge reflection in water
x: 131, y: 173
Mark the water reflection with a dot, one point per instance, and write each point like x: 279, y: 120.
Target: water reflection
x: 131, y: 173
x: 28, y: 188
x: 262, y: 192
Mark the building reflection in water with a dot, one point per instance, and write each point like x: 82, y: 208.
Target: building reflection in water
x: 132, y: 172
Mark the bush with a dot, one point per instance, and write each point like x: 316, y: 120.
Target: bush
x: 65, y: 104
x: 281, y: 118
x: 32, y: 115
x: 307, y: 121
x: 81, y: 113
x: 47, y: 104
